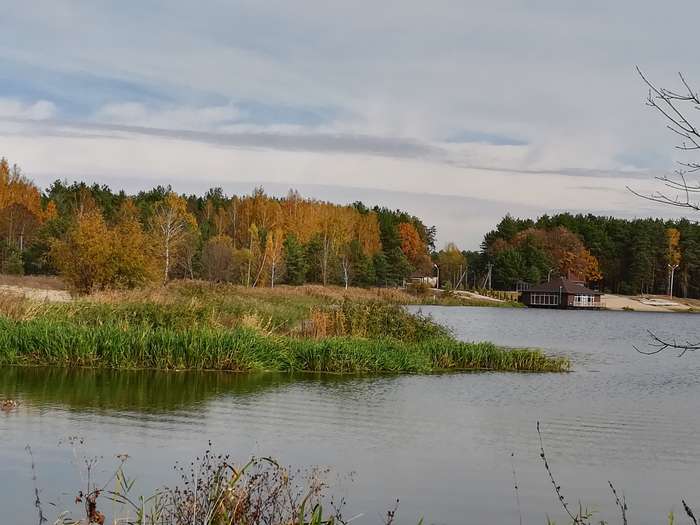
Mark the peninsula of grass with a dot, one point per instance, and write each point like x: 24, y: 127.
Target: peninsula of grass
x: 198, y: 326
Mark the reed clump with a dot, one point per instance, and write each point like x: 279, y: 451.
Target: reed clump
x: 49, y: 342
x: 202, y: 327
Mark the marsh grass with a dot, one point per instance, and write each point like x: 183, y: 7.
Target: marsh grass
x: 17, y: 307
x: 48, y: 342
x: 199, y: 326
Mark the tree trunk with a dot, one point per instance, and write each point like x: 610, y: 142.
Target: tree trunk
x: 324, y: 260
x: 167, y: 262
x: 345, y: 272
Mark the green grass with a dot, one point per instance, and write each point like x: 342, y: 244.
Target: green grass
x: 195, y: 326
x: 49, y: 342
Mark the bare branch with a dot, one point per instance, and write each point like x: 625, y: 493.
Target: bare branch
x: 672, y: 105
x: 659, y: 345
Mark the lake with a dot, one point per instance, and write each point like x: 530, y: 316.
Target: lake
x: 440, y: 443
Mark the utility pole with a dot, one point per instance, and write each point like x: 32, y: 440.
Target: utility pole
x: 672, y: 268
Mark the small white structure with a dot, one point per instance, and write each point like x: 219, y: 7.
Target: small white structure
x: 430, y: 281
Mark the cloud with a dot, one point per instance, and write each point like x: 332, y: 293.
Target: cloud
x: 15, y: 109
x: 484, y: 138
x: 137, y: 158
x: 517, y: 105
x: 472, y: 156
x: 136, y: 114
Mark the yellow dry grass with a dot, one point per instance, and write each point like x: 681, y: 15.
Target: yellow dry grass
x: 173, y: 293
x: 18, y: 308
x: 42, y: 282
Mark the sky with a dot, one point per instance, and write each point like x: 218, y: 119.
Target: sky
x: 457, y: 111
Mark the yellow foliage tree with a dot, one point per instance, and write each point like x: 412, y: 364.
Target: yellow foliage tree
x: 673, y: 251
x: 172, y: 225
x: 134, y: 260
x: 21, y: 212
x: 452, y: 264
x: 84, y: 256
x: 274, y: 243
x: 92, y: 256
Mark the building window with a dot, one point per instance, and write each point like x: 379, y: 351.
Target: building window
x: 584, y: 300
x: 544, y: 299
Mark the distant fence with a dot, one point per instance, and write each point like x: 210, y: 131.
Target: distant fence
x: 500, y: 294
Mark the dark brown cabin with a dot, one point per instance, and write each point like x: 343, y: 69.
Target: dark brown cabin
x: 561, y: 293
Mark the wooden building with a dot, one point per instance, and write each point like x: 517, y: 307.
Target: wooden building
x: 561, y: 293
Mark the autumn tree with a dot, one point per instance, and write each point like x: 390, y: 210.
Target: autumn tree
x: 274, y: 248
x: 560, y: 249
x: 673, y: 252
x: 218, y: 258
x: 413, y: 247
x: 172, y: 225
x: 331, y: 227
x: 452, y: 264
x: 84, y: 256
x: 133, y: 260
x: 21, y: 215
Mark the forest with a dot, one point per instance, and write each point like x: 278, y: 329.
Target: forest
x: 97, y: 239
x: 615, y: 255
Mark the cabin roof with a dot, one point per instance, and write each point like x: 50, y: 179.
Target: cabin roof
x: 567, y: 286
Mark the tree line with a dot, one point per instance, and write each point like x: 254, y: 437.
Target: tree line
x: 96, y: 238
x: 616, y: 255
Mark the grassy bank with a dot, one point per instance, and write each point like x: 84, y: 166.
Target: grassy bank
x: 200, y: 326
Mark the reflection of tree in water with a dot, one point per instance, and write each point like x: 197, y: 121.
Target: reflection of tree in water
x: 140, y: 390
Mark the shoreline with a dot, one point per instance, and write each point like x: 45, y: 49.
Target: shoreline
x: 613, y: 302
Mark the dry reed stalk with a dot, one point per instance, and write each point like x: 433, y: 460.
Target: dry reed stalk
x: 18, y: 308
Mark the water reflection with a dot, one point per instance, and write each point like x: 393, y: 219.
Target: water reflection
x: 146, y: 391
x: 440, y: 443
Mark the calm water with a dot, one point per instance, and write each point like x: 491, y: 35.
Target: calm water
x: 442, y: 444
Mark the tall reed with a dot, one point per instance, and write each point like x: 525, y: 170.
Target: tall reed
x: 43, y: 341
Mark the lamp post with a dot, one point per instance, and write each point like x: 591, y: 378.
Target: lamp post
x: 672, y: 268
x: 549, y: 274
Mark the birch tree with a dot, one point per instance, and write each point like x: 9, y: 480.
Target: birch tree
x: 171, y: 224
x: 274, y: 246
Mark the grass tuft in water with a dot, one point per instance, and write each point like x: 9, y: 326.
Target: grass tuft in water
x: 208, y: 328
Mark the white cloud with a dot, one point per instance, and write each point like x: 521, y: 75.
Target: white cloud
x: 16, y: 109
x: 485, y: 194
x: 198, y: 119
x: 398, y: 78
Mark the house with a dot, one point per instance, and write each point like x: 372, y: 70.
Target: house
x: 561, y: 293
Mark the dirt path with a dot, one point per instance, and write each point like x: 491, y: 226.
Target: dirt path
x: 474, y: 295
x: 642, y: 304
